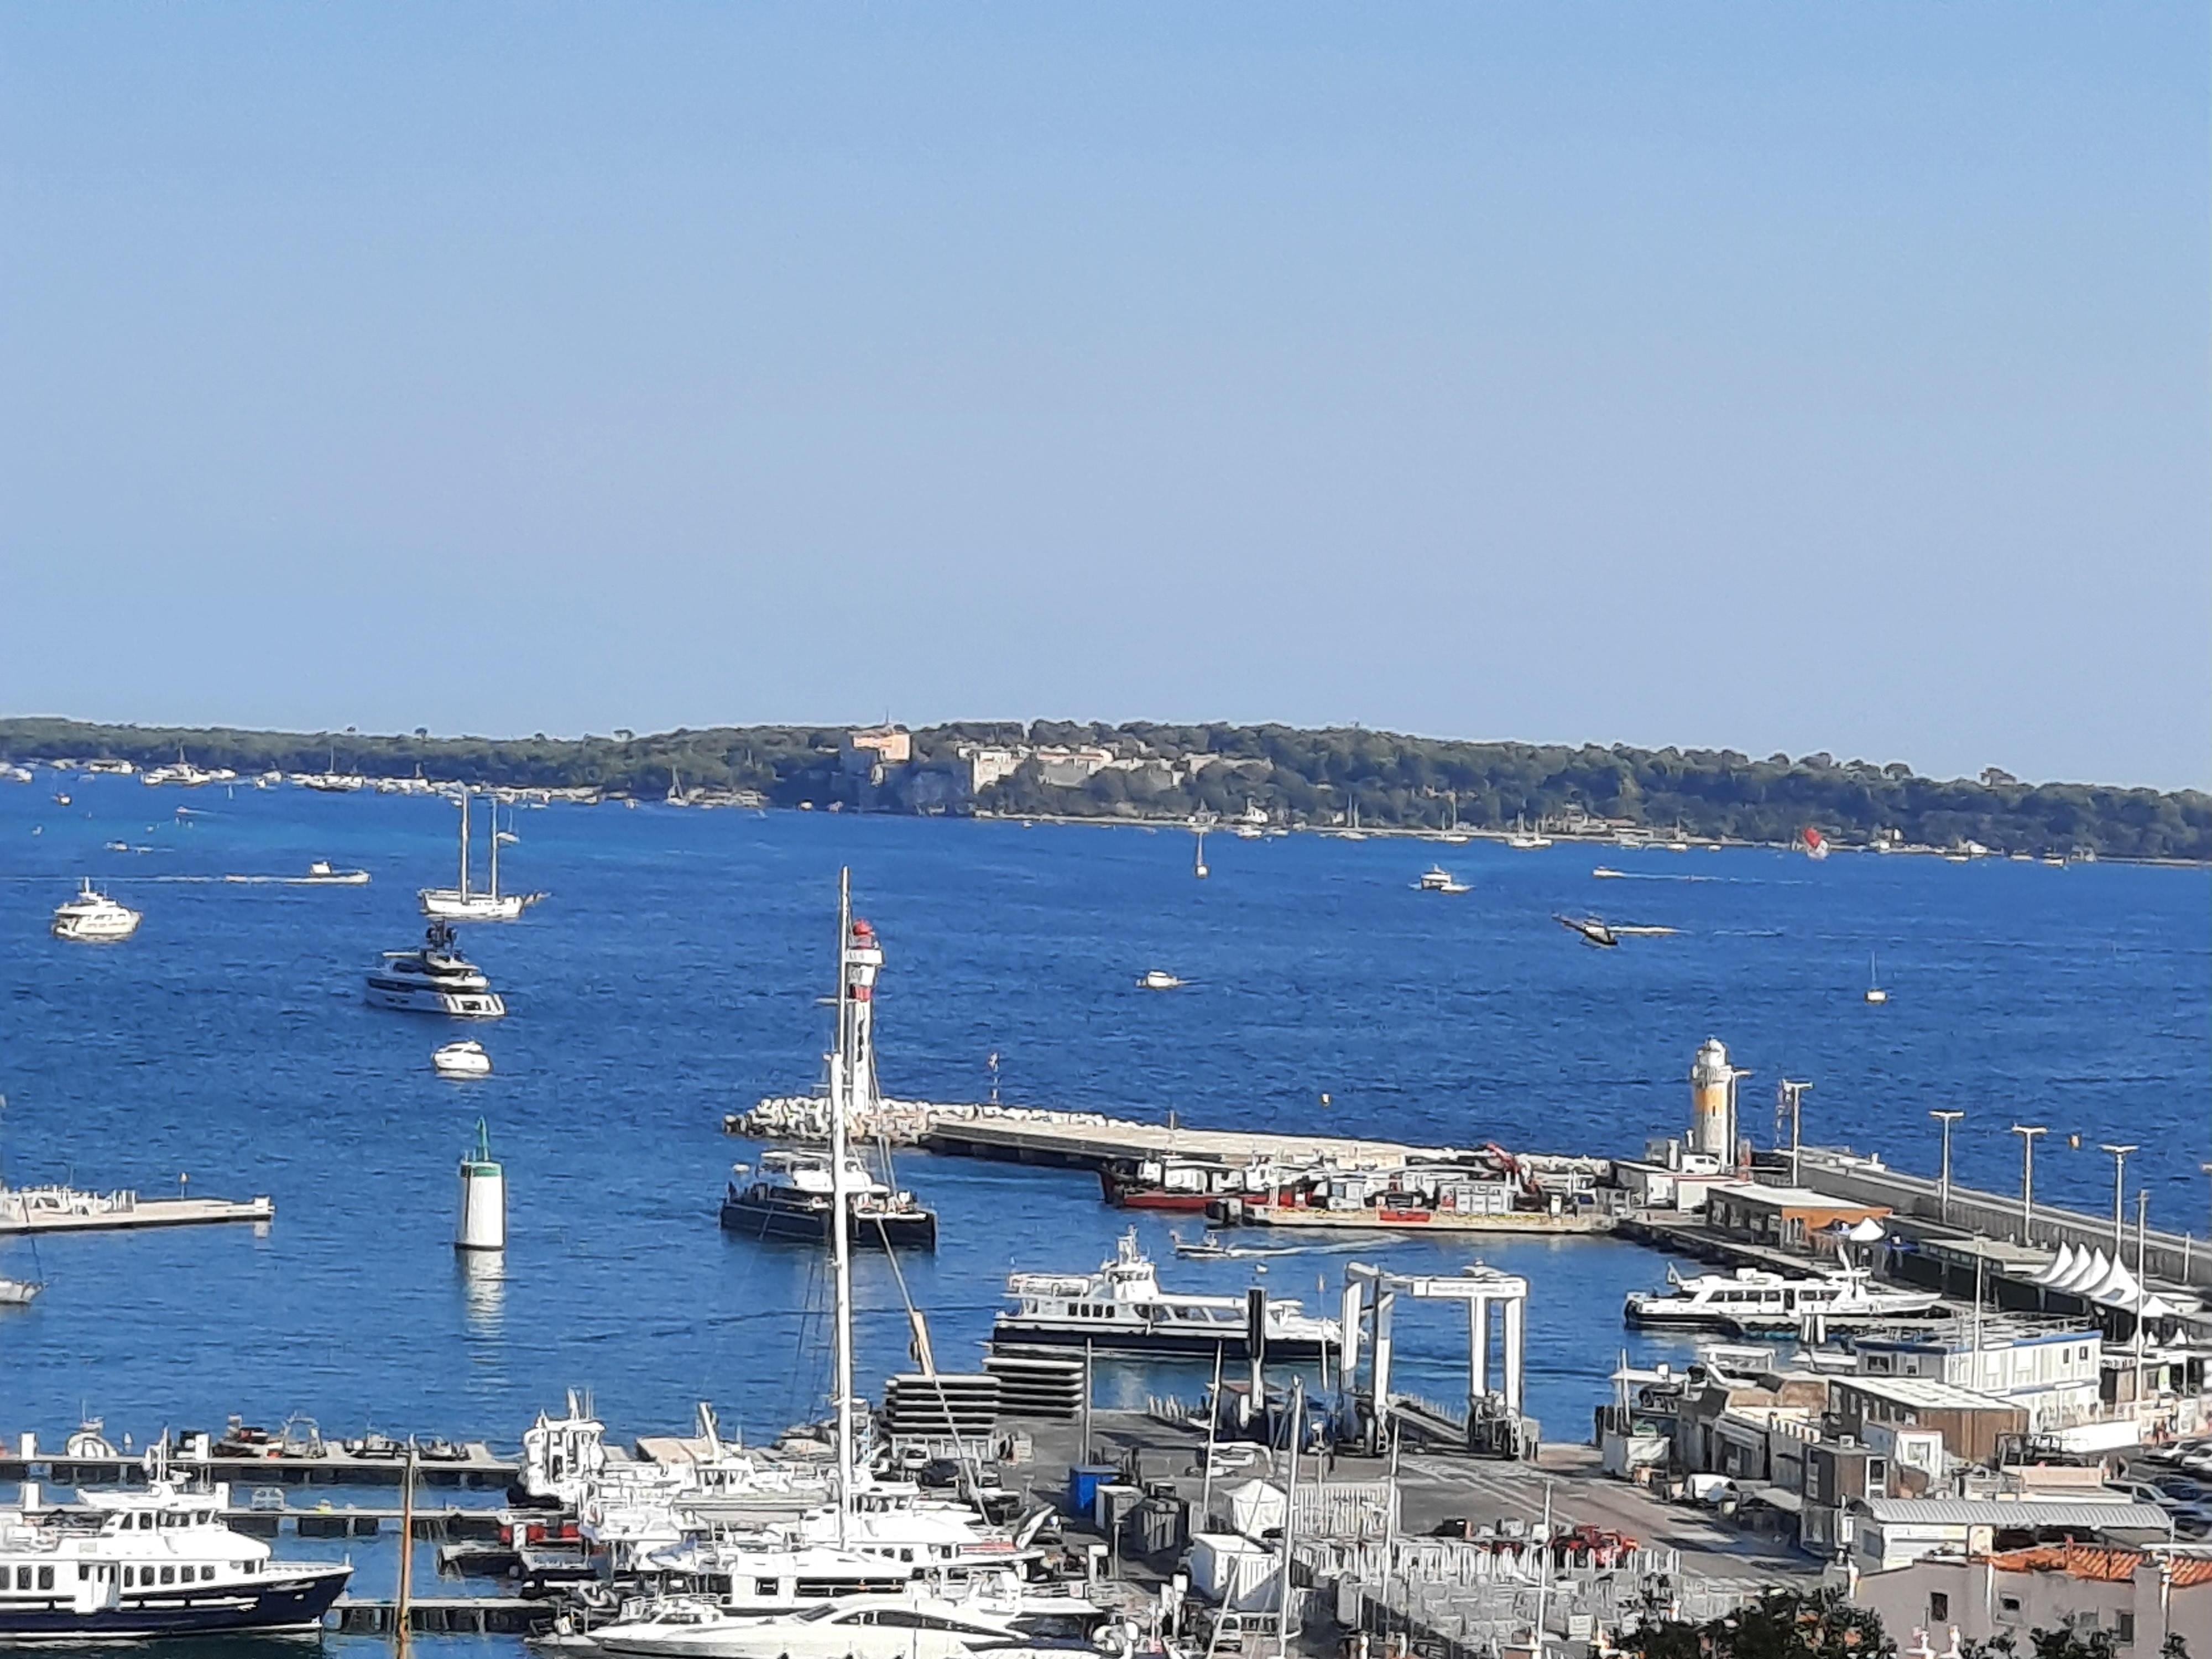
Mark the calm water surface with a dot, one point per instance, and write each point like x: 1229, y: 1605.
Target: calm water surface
x: 674, y: 975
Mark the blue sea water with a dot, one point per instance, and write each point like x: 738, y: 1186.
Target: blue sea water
x: 674, y: 975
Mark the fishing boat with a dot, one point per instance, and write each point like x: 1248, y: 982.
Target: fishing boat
x: 1754, y: 1299
x: 139, y: 1566
x: 93, y: 918
x: 1123, y: 1308
x: 1437, y: 879
x: 458, y: 903
x: 434, y: 979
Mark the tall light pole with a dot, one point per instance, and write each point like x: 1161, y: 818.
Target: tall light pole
x: 2120, y: 1198
x: 1792, y: 1094
x: 1943, y: 1180
x: 2027, y: 1132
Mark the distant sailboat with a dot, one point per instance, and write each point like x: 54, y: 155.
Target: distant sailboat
x: 1874, y: 991
x: 1198, y: 858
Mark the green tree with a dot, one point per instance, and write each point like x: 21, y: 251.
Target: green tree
x: 1780, y: 1624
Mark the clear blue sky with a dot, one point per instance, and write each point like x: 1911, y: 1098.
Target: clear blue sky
x: 1772, y: 376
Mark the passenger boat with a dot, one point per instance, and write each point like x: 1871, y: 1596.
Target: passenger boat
x: 434, y: 979
x: 789, y: 1197
x: 146, y: 1564
x: 1121, y: 1309
x: 93, y: 918
x: 1754, y: 1299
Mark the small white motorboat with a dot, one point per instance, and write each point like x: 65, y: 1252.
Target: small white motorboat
x: 463, y: 1059
x: 18, y: 1293
x: 1437, y: 879
x: 1158, y: 979
x: 321, y: 874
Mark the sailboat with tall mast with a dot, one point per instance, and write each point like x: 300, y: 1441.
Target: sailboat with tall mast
x: 458, y: 903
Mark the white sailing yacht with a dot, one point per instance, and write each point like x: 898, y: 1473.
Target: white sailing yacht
x: 458, y: 903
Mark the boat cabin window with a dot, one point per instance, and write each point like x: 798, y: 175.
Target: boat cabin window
x: 764, y: 1586
x: 23, y: 1578
x: 168, y: 1575
x: 45, y: 1578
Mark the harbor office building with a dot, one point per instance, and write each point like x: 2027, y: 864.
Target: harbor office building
x: 1783, y: 1218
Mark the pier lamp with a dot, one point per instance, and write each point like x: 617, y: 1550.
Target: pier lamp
x: 2027, y: 1132
x: 1792, y: 1098
x: 1944, y: 1179
x: 2119, y: 1197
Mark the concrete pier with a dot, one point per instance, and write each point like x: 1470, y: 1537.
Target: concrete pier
x: 67, y: 1210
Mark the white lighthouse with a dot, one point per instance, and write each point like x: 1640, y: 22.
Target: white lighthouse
x: 1712, y: 1102
x: 864, y: 960
x: 482, y: 1224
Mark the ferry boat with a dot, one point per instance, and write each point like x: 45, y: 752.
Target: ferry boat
x: 789, y: 1197
x: 434, y: 979
x: 1437, y: 879
x: 1754, y: 1299
x: 93, y: 918
x: 1121, y: 1309
x: 146, y: 1564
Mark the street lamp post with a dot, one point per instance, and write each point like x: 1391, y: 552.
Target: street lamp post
x: 2120, y: 1198
x: 1943, y: 1181
x: 1793, y: 1095
x: 2027, y: 1132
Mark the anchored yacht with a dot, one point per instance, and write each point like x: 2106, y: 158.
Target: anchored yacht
x: 1437, y: 879
x: 1754, y: 1299
x: 789, y: 1197
x: 93, y: 918
x: 1121, y: 1309
x: 151, y: 1564
x: 914, y: 1622
x: 323, y: 873
x: 461, y: 904
x: 434, y: 979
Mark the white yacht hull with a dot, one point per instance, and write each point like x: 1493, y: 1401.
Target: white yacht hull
x: 448, y: 905
x: 421, y: 1000
x: 95, y: 933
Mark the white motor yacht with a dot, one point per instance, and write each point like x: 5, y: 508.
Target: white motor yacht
x: 434, y: 979
x: 1754, y: 1299
x: 1122, y: 1309
x: 1437, y: 879
x: 146, y: 1564
x: 914, y: 1622
x: 465, y: 1058
x: 323, y: 873
x: 1158, y: 979
x: 93, y: 918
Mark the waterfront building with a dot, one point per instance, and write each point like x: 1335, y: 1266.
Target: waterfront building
x: 2139, y: 1598
x: 1786, y: 1217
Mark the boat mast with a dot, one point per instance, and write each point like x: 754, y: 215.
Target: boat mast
x: 464, y: 889
x: 840, y: 1218
x: 495, y: 848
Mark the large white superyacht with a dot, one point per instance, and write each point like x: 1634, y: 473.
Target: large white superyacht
x: 93, y: 918
x: 434, y: 979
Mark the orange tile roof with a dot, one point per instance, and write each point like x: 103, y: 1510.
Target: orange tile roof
x: 2095, y: 1562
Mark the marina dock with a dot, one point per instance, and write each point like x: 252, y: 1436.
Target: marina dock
x: 67, y: 1210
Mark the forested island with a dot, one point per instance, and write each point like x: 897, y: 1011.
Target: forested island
x: 1279, y: 775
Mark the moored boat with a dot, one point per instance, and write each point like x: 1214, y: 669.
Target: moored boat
x: 434, y: 979
x: 93, y: 918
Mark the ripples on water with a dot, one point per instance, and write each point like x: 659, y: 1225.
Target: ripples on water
x: 674, y: 974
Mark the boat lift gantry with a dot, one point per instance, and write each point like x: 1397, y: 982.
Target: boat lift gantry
x: 1495, y: 1424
